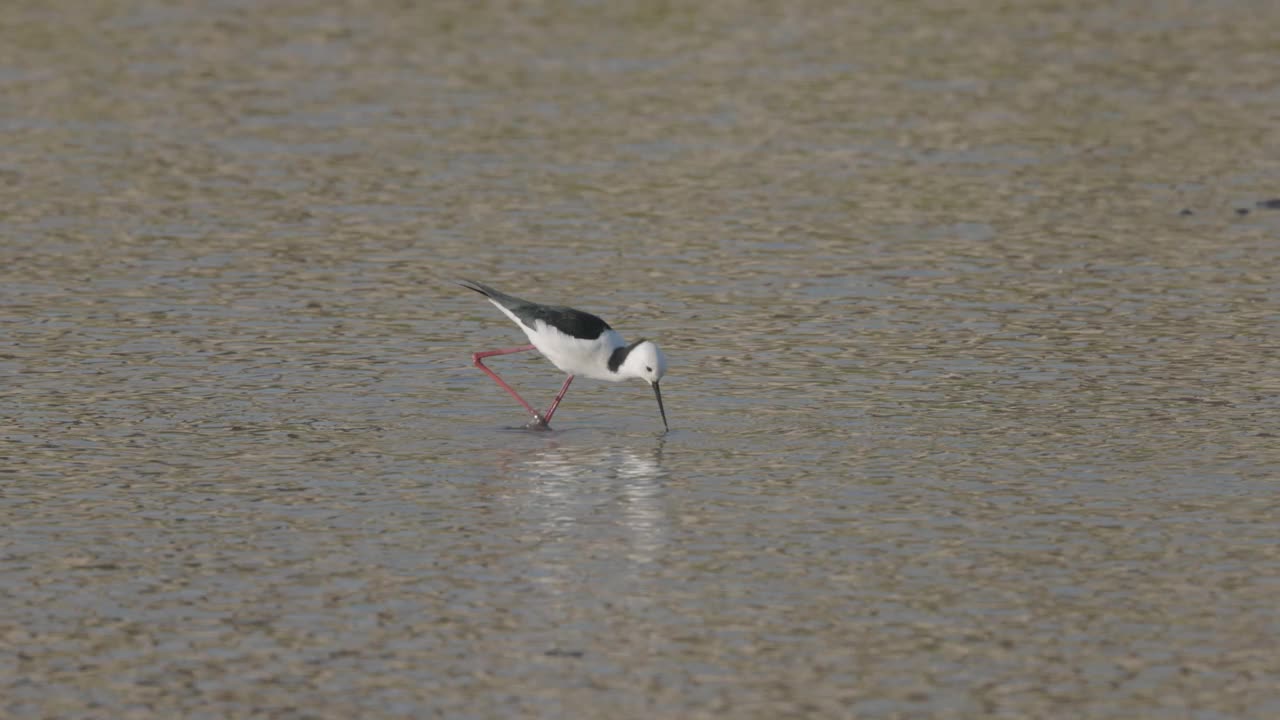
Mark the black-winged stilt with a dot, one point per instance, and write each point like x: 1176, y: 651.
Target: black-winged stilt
x: 577, y: 342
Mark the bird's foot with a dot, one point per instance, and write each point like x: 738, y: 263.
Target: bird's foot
x: 537, y: 423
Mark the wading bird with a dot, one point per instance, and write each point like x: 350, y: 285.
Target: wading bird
x: 578, y: 343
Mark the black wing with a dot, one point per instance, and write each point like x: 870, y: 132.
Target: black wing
x: 571, y: 322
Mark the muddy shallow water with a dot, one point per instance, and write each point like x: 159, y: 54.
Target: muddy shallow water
x: 971, y: 315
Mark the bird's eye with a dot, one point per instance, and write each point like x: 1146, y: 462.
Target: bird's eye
x: 648, y: 369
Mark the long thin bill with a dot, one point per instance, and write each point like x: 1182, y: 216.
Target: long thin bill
x: 658, y: 394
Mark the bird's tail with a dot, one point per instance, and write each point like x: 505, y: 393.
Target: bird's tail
x: 481, y: 288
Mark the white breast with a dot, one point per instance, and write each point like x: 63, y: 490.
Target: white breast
x: 585, y: 358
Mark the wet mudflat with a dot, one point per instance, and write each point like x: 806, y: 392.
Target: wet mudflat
x: 969, y: 418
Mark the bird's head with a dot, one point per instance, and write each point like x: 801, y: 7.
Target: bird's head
x: 647, y: 362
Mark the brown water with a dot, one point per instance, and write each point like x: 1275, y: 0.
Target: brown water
x: 969, y: 417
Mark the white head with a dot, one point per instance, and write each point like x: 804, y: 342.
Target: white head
x: 646, y: 361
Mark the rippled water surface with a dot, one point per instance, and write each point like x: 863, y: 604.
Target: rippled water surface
x: 972, y: 312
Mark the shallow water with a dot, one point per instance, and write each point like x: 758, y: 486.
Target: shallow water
x: 973, y: 385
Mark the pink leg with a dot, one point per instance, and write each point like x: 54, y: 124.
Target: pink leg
x: 556, y: 403
x: 477, y: 357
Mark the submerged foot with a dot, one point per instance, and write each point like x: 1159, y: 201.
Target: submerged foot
x: 537, y: 423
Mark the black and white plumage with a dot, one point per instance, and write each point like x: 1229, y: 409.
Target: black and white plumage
x: 577, y: 342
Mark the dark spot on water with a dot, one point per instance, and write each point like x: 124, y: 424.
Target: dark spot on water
x: 1242, y: 211
x: 557, y: 652
x: 1186, y: 211
x: 1272, y: 204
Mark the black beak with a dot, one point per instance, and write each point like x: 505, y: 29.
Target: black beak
x: 658, y: 394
